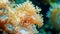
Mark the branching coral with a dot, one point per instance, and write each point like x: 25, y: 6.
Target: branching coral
x: 21, y: 19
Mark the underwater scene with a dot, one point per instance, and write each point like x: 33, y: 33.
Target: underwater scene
x: 29, y: 16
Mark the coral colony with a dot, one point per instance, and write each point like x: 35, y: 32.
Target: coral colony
x: 55, y: 18
x: 19, y: 18
x: 54, y: 15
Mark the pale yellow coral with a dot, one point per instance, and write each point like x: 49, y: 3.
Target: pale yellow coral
x: 28, y: 9
x: 4, y: 1
x: 23, y: 17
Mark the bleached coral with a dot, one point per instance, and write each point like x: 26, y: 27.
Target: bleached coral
x: 21, y: 19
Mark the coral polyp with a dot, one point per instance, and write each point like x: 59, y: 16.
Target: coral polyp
x: 20, y: 19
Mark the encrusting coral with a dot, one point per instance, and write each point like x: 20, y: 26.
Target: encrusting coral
x: 20, y: 19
